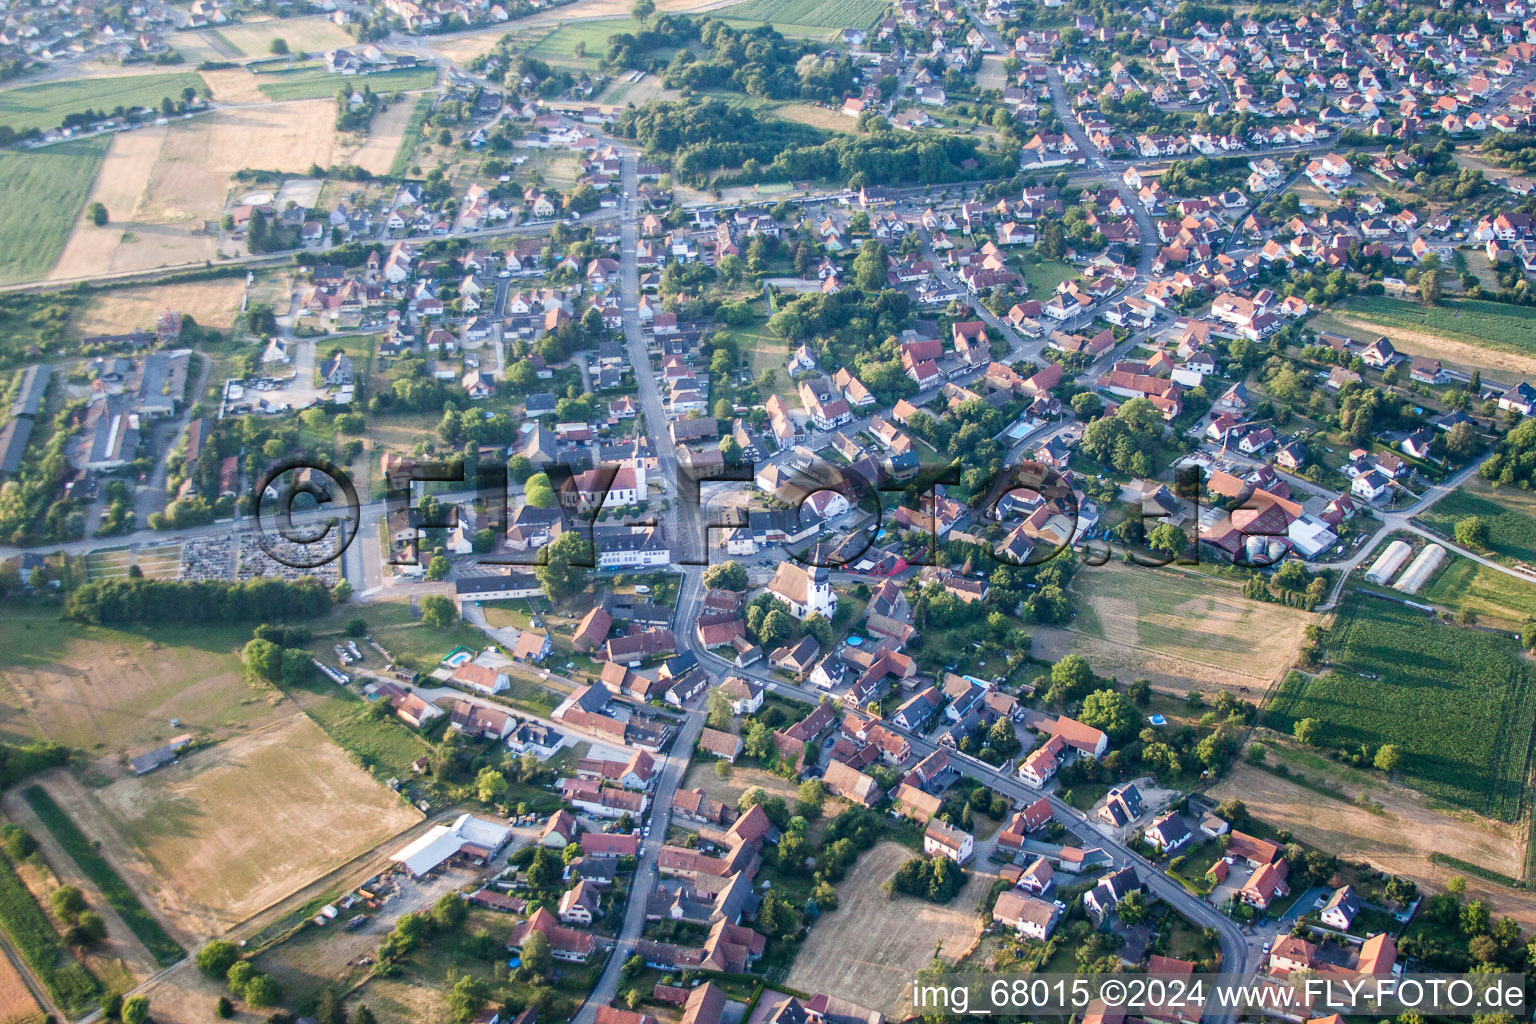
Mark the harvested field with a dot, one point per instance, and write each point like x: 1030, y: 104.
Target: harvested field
x: 16, y: 1003
x: 112, y: 693
x: 816, y: 117
x: 239, y: 826
x: 165, y: 187
x: 1398, y: 840
x: 234, y: 85
x: 871, y: 946
x: 211, y: 303
x: 1180, y: 630
x: 1457, y: 355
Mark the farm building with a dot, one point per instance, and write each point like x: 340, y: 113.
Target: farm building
x: 470, y: 836
x: 1421, y: 569
x: 1387, y: 563
x: 160, y: 756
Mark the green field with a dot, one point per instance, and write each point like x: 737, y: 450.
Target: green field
x: 560, y: 44
x: 30, y: 931
x: 1458, y: 702
x: 412, y: 137
x: 1511, y: 530
x: 1490, y: 324
x: 835, y: 14
x: 1491, y: 594
x: 104, y: 876
x: 318, y: 85
x: 44, y: 192
x: 1044, y: 275
x: 46, y: 106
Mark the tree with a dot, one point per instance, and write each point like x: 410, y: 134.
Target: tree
x: 239, y: 975
x: 97, y: 213
x: 1389, y: 758
x: 540, y: 492
x: 112, y: 1005
x: 135, y: 1010
x: 216, y: 958
x: 224, y: 1008
x: 263, y: 659
x: 68, y: 901
x: 1070, y: 679
x: 536, y: 956
x: 263, y: 990
x: 363, y: 1015
x: 1472, y: 532
x: 491, y: 786
x: 720, y: 713
x: 1111, y: 712
x: 757, y: 742
x: 726, y: 576
x: 437, y: 569
x: 1168, y: 539
x: 279, y: 46
x: 468, y: 996
x: 642, y: 10
x: 329, y: 1009
x: 297, y: 666
x: 1307, y: 731
x: 1456, y: 886
x: 1475, y: 918
x: 811, y: 796
x: 1429, y: 286
x: 1463, y: 441
x: 439, y: 612
x: 1132, y: 910
x: 566, y: 566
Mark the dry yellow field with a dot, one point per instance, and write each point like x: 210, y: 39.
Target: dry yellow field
x: 1180, y: 630
x: 238, y: 826
x: 16, y: 1003
x: 210, y: 303
x: 872, y: 946
x: 1456, y: 355
x: 816, y: 117
x: 165, y: 187
x: 233, y: 85
x: 1398, y: 840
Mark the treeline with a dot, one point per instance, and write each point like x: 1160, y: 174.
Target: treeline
x: 110, y: 602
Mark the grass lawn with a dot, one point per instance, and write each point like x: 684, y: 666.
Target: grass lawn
x: 44, y: 192
x: 1458, y: 702
x: 1465, y: 584
x: 1044, y: 275
x: 313, y: 85
x: 45, y: 106
x: 1509, y: 512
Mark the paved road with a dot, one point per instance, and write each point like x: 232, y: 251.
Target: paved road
x: 1240, y: 952
x: 682, y: 529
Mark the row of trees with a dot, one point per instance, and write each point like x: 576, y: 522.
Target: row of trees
x: 127, y: 599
